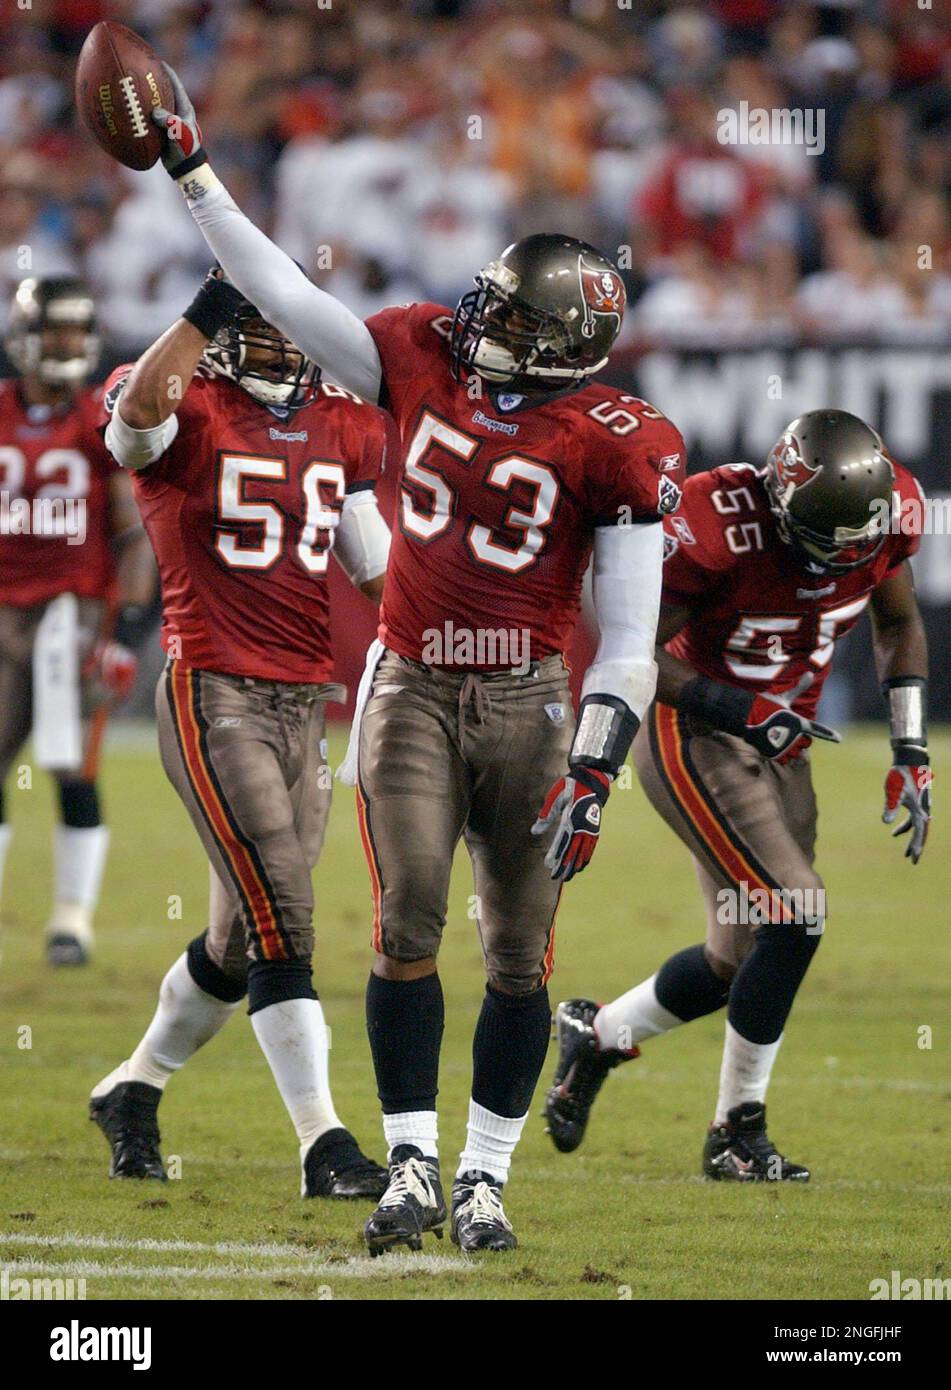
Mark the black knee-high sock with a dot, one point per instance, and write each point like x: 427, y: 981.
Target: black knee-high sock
x: 765, y: 985
x: 508, y: 1050
x: 688, y: 988
x: 404, y: 1024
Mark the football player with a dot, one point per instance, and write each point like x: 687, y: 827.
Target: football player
x: 76, y: 579
x: 516, y: 469
x: 248, y: 470
x: 766, y: 569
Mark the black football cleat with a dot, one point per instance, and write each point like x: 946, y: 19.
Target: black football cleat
x: 579, y: 1074
x: 335, y: 1167
x: 478, y: 1220
x: 65, y: 950
x: 742, y: 1151
x: 128, y: 1117
x: 412, y: 1204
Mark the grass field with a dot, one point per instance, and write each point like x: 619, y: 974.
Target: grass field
x: 854, y: 1094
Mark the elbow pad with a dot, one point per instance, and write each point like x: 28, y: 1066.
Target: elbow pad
x: 362, y: 538
x: 138, y: 448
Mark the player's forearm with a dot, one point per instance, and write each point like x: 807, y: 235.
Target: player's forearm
x: 619, y: 684
x: 673, y: 676
x: 323, y: 328
x: 160, y: 377
x: 135, y: 570
x: 901, y: 647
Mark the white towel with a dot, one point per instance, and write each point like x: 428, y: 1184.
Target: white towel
x: 347, y: 771
x: 57, y: 726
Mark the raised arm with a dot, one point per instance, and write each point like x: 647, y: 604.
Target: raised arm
x: 143, y: 422
x: 319, y: 325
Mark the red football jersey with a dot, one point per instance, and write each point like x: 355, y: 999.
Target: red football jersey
x: 497, y: 507
x: 55, y: 525
x: 760, y: 618
x: 241, y: 510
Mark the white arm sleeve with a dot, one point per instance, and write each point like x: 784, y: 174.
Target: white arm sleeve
x: 362, y: 538
x: 323, y: 328
x: 138, y: 448
x: 628, y: 569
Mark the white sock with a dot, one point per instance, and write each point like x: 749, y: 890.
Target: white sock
x: 185, y: 1019
x: 490, y: 1143
x: 633, y: 1017
x: 6, y: 834
x: 745, y: 1072
x: 293, y: 1037
x: 419, y: 1127
x: 79, y: 857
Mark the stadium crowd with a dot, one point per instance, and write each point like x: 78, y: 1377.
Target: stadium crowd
x: 394, y: 145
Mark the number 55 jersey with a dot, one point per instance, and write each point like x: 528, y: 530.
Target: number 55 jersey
x: 241, y: 511
x: 760, y: 617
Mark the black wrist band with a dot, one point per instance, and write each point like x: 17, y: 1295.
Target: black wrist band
x: 214, y: 306
x: 909, y: 754
x: 131, y: 624
x: 724, y: 706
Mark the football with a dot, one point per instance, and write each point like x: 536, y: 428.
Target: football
x: 119, y: 80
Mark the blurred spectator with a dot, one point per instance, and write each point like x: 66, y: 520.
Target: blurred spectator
x: 394, y: 146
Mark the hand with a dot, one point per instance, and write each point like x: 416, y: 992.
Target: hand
x: 182, y: 148
x: 908, y: 786
x: 117, y: 668
x: 574, y: 806
x: 780, y: 733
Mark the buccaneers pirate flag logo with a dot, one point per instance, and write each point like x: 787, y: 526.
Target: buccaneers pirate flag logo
x: 792, y: 469
x: 603, y: 294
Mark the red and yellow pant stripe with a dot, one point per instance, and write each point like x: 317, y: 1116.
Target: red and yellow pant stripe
x: 183, y: 686
x: 721, y: 842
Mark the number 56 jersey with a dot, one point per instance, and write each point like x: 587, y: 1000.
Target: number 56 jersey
x: 759, y: 617
x: 241, y: 511
x: 499, y: 497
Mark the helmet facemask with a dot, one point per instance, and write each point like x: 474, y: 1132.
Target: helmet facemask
x: 507, y: 341
x: 258, y: 358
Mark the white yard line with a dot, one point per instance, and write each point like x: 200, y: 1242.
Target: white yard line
x: 355, y: 1267
x: 73, y: 1240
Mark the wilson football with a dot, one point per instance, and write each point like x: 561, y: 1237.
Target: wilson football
x: 119, y: 79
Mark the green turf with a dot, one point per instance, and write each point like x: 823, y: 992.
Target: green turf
x: 854, y: 1095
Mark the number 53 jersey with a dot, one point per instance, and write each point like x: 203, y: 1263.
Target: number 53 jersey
x: 499, y: 498
x: 241, y: 511
x: 759, y: 617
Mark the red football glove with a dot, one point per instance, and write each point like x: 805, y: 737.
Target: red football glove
x: 574, y: 806
x: 780, y: 733
x: 117, y: 668
x: 908, y: 786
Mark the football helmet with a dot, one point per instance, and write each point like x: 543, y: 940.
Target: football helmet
x: 543, y: 316
x: 258, y: 358
x: 41, y: 305
x: 829, y: 484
